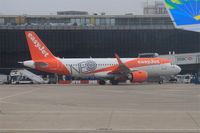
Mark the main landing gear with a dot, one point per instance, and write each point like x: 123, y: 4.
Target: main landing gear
x: 102, y: 82
x: 113, y: 82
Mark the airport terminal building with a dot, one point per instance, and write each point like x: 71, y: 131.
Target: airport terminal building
x: 85, y: 36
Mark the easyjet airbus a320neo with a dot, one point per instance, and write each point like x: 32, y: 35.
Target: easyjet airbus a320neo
x: 113, y: 69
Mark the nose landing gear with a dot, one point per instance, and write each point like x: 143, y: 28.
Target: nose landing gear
x: 161, y: 81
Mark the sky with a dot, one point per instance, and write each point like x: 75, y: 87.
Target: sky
x: 46, y: 7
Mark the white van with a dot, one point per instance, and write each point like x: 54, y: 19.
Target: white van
x: 184, y: 78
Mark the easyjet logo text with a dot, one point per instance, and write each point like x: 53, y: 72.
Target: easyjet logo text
x: 38, y: 45
x: 148, y: 62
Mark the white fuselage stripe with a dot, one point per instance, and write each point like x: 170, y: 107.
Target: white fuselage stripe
x: 80, y: 67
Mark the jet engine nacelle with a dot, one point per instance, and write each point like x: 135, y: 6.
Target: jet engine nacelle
x: 138, y: 76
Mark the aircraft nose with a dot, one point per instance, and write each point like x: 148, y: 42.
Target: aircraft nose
x: 178, y: 69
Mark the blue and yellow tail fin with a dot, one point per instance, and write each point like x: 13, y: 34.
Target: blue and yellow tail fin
x: 185, y: 14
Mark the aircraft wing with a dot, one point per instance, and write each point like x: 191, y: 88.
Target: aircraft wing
x: 122, y: 69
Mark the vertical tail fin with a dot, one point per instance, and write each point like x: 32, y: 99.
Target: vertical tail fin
x: 184, y: 13
x: 37, y: 48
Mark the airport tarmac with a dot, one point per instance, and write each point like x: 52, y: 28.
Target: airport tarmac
x: 102, y: 109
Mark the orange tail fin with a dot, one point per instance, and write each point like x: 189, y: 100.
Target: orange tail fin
x: 37, y: 48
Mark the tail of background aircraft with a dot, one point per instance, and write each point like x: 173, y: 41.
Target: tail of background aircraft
x: 185, y: 14
x: 37, y: 48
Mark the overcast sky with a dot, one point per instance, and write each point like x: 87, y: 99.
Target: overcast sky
x: 113, y: 7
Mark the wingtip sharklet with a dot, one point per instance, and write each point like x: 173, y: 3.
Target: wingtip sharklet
x: 118, y: 58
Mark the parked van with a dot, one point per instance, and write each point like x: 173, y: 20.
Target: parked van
x: 184, y: 78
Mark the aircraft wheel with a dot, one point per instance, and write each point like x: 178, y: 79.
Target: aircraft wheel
x: 161, y: 82
x: 114, y: 82
x: 102, y: 82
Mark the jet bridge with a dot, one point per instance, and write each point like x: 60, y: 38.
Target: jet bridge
x: 185, y: 60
